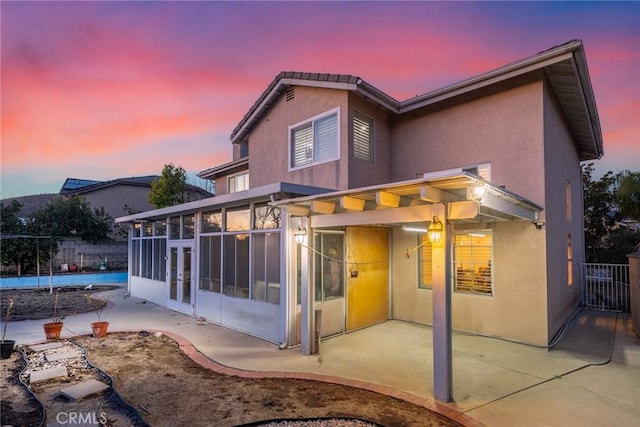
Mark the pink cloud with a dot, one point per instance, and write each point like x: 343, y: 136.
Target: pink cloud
x: 132, y: 84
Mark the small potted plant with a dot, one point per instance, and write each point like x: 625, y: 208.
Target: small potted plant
x: 98, y: 304
x: 6, y: 346
x: 53, y: 329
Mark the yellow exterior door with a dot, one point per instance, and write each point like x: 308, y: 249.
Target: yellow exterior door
x: 367, y: 276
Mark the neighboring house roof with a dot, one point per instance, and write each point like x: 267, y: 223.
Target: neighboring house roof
x: 75, y: 186
x: 565, y: 67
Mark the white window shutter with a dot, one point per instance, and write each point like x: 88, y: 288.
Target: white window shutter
x: 326, y: 138
x: 362, y: 137
x: 302, y: 146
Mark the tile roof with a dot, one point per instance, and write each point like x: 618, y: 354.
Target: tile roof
x: 574, y: 93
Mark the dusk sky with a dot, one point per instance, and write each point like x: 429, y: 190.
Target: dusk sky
x: 104, y: 90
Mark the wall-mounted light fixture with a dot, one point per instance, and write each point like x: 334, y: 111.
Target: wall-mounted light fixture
x: 476, y: 192
x: 300, y: 235
x: 539, y: 224
x: 435, y: 230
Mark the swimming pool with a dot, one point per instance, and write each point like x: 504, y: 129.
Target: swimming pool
x: 63, y: 280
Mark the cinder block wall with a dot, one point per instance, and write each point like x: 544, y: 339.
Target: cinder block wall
x: 89, y: 257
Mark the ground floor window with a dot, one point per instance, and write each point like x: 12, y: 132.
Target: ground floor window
x: 266, y: 267
x: 329, y: 265
x: 149, y: 258
x: 472, y: 257
x: 235, y: 260
x: 236, y: 265
x: 210, y: 263
x: 135, y: 257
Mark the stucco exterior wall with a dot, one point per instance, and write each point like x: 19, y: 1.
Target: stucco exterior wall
x: 222, y: 185
x: 515, y: 310
x: 562, y: 168
x: 361, y: 172
x: 504, y: 128
x: 268, y: 141
x: 408, y: 301
x: 113, y: 199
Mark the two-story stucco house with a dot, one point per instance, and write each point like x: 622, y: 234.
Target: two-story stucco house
x: 333, y: 185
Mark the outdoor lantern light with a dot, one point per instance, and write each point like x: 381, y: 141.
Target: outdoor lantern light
x: 301, y: 234
x: 435, y: 230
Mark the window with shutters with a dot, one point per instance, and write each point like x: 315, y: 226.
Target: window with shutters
x: 362, y: 137
x: 314, y: 141
x: 472, y: 257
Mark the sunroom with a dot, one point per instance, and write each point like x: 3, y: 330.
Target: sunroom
x: 218, y: 258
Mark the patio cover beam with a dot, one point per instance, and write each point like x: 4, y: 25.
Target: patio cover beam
x: 373, y: 217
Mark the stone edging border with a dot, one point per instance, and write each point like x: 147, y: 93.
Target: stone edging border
x: 194, y: 354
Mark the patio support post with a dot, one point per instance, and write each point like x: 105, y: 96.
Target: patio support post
x: 307, y: 315
x: 442, y: 348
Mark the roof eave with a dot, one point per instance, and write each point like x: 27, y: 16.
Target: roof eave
x: 211, y: 173
x: 498, y: 75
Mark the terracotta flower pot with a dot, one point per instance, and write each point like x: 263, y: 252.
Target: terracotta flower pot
x: 52, y: 330
x: 99, y: 329
x: 6, y: 348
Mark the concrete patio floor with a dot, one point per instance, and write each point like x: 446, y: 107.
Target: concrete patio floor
x: 590, y: 378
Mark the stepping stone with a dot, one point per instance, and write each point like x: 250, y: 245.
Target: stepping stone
x: 47, y: 374
x: 84, y: 389
x: 45, y: 346
x: 54, y: 357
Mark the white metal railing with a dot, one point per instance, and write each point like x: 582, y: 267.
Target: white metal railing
x: 606, y: 287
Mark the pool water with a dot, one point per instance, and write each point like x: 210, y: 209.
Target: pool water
x: 62, y: 280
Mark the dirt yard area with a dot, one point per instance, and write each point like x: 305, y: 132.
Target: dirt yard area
x: 32, y: 304
x: 167, y: 388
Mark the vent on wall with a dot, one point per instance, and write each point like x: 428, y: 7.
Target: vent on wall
x: 290, y: 94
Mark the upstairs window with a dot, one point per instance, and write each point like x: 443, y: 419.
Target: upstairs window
x: 362, y: 137
x: 239, y: 182
x: 314, y: 141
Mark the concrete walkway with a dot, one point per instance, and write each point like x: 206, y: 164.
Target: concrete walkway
x: 590, y: 378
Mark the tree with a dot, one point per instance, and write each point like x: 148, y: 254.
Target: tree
x: 18, y: 246
x: 598, y: 208
x: 627, y: 195
x: 169, y: 188
x: 607, y: 201
x: 73, y: 217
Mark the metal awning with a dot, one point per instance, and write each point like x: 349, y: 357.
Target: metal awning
x: 461, y: 190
